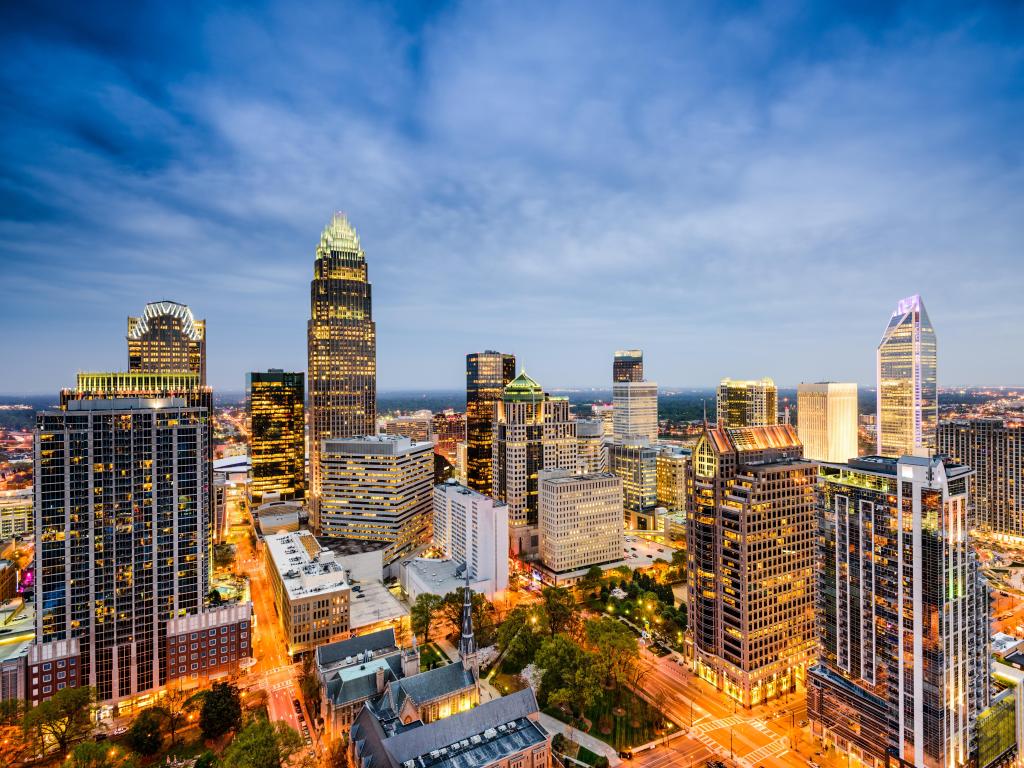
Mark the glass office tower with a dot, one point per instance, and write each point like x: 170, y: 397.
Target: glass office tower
x: 167, y: 338
x: 342, y: 347
x: 908, y: 395
x: 487, y: 375
x: 628, y: 365
x: 747, y: 403
x: 277, y: 434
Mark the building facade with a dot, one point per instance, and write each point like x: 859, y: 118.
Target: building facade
x: 902, y: 614
x: 312, y: 590
x: 628, y: 365
x: 122, y: 534
x: 635, y: 410
x: 209, y: 645
x: 487, y: 375
x: 995, y: 451
x: 635, y: 463
x: 277, y: 435
x: 378, y: 488
x: 449, y: 431
x: 418, y: 427
x: 16, y: 518
x: 342, y: 347
x: 532, y: 431
x: 751, y: 528
x: 580, y: 519
x: 747, y: 403
x: 826, y: 421
x: 671, y: 464
x: 906, y: 376
x: 472, y: 529
x: 167, y: 338
x: 590, y: 444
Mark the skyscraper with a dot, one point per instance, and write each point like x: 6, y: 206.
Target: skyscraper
x: 121, y: 515
x: 487, y: 375
x: 902, y: 613
x: 826, y: 415
x: 533, y: 431
x: 908, y: 394
x: 277, y: 434
x: 378, y: 488
x: 342, y: 347
x: 590, y: 439
x: 167, y: 339
x: 747, y: 403
x: 750, y: 536
x: 635, y: 410
x: 995, y: 451
x: 628, y: 365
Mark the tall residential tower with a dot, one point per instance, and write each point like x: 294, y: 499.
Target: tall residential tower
x: 342, y: 346
x: 908, y: 395
x: 747, y: 403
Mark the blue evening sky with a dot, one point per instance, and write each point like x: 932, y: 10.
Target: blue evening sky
x: 740, y: 189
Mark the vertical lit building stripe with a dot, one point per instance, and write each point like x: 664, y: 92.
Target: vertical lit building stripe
x: 487, y: 375
x: 277, y: 434
x: 342, y: 347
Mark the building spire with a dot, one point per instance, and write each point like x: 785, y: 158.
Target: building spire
x: 467, y: 643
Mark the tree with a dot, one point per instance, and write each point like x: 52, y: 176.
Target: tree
x: 334, y: 753
x: 206, y: 760
x: 214, y: 598
x: 309, y: 683
x: 615, y: 650
x: 483, y: 615
x: 62, y: 719
x: 559, y: 657
x: 174, y: 708
x: 90, y: 754
x: 518, y: 637
x: 144, y: 734
x: 221, y: 711
x: 262, y: 744
x: 560, y: 609
x: 591, y: 579
x: 422, y: 614
x: 223, y: 555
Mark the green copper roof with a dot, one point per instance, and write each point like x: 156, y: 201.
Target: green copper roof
x: 523, y: 389
x: 339, y: 235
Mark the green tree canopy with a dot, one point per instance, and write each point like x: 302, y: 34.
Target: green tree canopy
x: 144, y: 734
x: 422, y: 614
x: 560, y: 610
x: 61, y: 720
x: 221, y: 711
x: 262, y: 744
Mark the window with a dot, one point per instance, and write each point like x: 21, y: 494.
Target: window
x: 47, y: 667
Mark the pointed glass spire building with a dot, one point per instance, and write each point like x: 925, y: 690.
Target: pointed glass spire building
x: 907, y: 394
x: 342, y: 347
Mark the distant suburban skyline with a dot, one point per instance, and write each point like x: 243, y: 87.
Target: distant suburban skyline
x: 739, y: 190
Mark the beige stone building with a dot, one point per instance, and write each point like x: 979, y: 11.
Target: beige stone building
x: 580, y: 519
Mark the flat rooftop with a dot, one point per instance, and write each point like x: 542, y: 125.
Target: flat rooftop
x: 305, y: 567
x: 17, y: 628
x: 370, y: 603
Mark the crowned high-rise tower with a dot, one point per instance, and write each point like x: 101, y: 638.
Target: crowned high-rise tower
x: 342, y: 345
x: 908, y: 394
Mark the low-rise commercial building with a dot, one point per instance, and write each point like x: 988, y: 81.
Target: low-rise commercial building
x: 311, y: 590
x: 209, y: 645
x: 580, y: 519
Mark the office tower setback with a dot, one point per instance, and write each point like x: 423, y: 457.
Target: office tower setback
x: 342, y: 347
x: 995, y: 451
x: 628, y: 365
x: 750, y: 536
x: 902, y: 614
x: 122, y: 521
x: 826, y: 415
x: 636, y: 464
x: 533, y: 431
x: 277, y: 435
x: 635, y: 410
x: 580, y: 520
x: 487, y: 375
x: 907, y: 394
x: 590, y: 441
x: 167, y: 339
x: 378, y: 488
x: 747, y: 403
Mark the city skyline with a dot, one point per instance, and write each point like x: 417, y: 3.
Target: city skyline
x: 762, y: 169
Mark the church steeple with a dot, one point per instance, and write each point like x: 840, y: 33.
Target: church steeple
x: 467, y: 643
